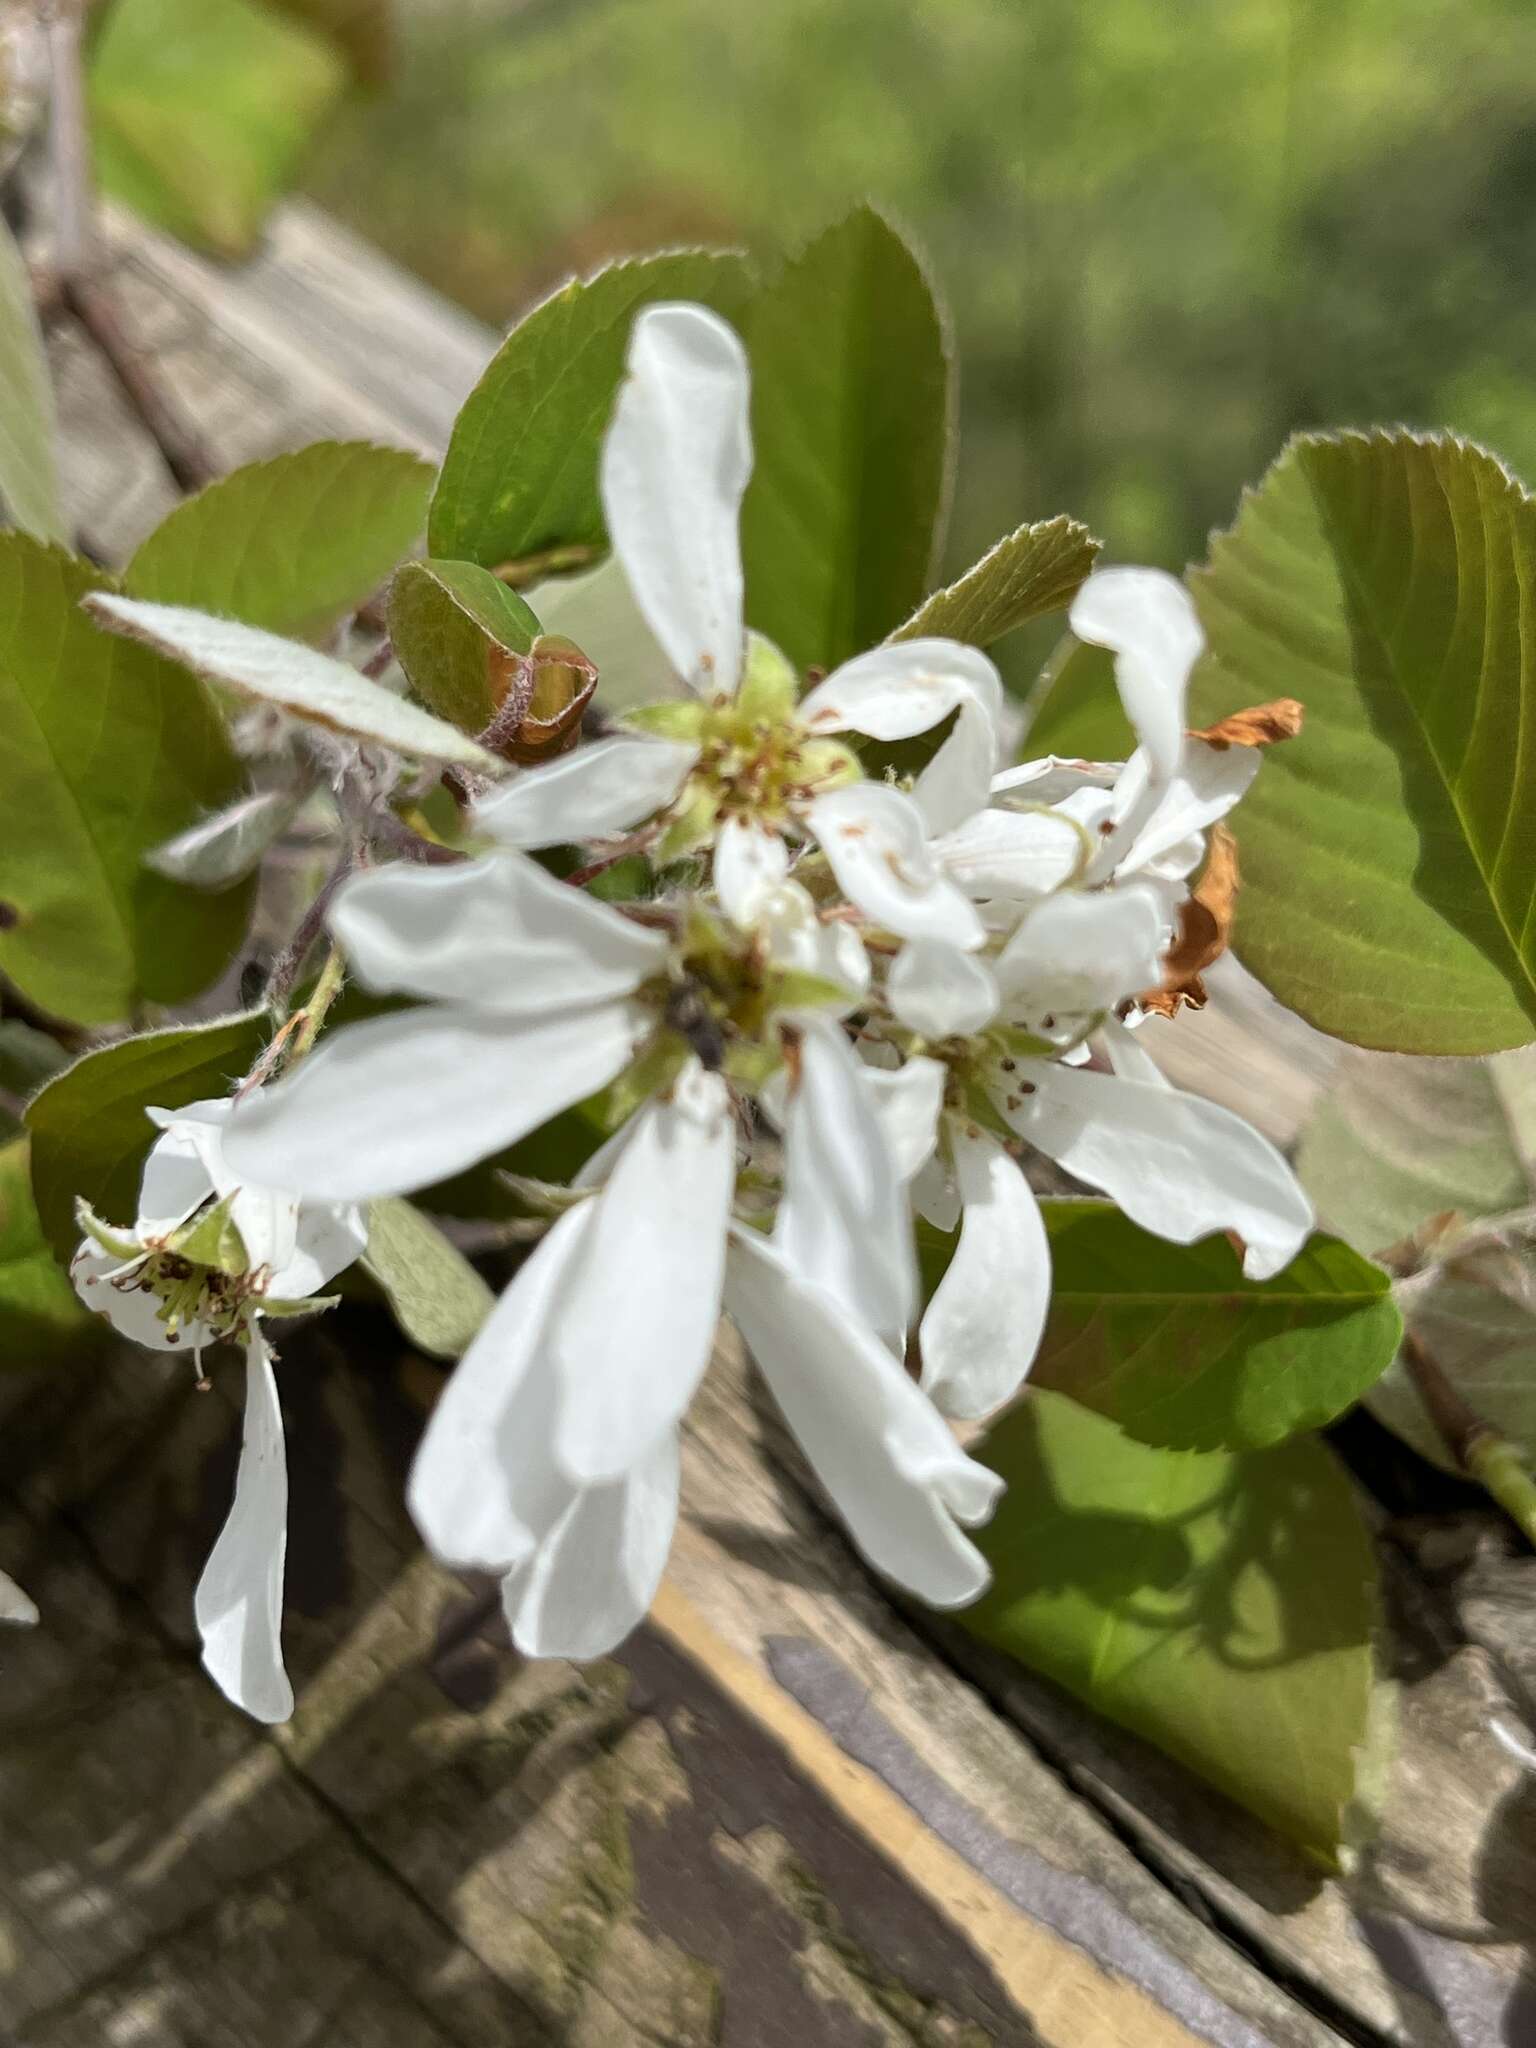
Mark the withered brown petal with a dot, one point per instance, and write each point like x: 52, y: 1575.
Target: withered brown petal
x: 1261, y: 725
x: 1205, y: 925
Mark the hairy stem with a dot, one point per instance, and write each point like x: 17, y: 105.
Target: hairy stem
x: 1482, y: 1453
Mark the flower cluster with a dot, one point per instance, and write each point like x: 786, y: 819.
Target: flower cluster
x: 840, y: 1001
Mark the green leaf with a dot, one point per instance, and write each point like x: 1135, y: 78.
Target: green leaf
x: 852, y: 404
x: 202, y: 109
x: 29, y: 480
x: 28, y: 1058
x: 301, y: 679
x: 445, y: 620
x: 89, y: 1131
x: 520, y: 475
x: 362, y: 29
x: 293, y: 543
x: 438, y: 1298
x: 41, y: 1316
x: 1074, y: 710
x: 1389, y: 852
x: 1171, y: 1341
x: 1035, y: 570
x: 1220, y: 1604
x: 1395, y: 1145
x: 108, y: 752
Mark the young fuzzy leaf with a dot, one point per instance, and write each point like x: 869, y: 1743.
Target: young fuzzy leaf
x: 284, y: 672
x: 41, y: 1316
x: 851, y: 422
x: 109, y: 751
x: 1033, y: 571
x: 1220, y: 1604
x: 201, y: 110
x: 447, y: 621
x: 438, y: 1298
x: 90, y: 1135
x: 1171, y: 1341
x: 229, y: 845
x: 293, y: 543
x: 1389, y: 852
x: 520, y: 475
x: 29, y: 479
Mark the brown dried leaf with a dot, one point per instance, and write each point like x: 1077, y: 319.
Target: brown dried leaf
x: 1261, y: 725
x: 1205, y: 924
x: 542, y: 696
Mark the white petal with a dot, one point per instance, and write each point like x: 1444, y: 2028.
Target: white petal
x: 329, y: 1238
x: 1075, y: 953
x: 751, y: 862
x: 1018, y: 854
x: 939, y: 991
x: 1179, y: 1166
x: 132, y: 1311
x: 1127, y: 1056
x: 592, y: 793
x: 1050, y: 778
x: 398, y: 1102
x: 1147, y: 618
x: 982, y: 1328
x: 176, y: 1176
x: 907, y: 1100
x: 1206, y: 783
x: 793, y: 936
x: 675, y: 464
x: 484, y: 1488
x: 907, y: 687
x: 873, y: 1438
x: 843, y: 1221
x: 596, y: 1573
x: 633, y: 1335
x: 266, y: 1217
x: 239, y: 1599
x: 500, y: 934
x: 877, y: 844
x: 934, y: 1194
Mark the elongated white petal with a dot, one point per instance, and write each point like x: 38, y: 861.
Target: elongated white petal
x: 1127, y: 1055
x: 1021, y: 855
x: 1077, y: 952
x: 877, y: 844
x: 484, y: 1488
x: 940, y: 991
x: 176, y: 1177
x: 907, y: 1100
x: 843, y: 1221
x: 1051, y: 777
x: 875, y: 1441
x: 785, y: 920
x: 239, y: 1599
x: 592, y: 793
x: 982, y: 1328
x: 1206, y: 783
x: 597, y: 1571
x: 229, y: 845
x: 1179, y: 1166
x: 675, y: 464
x: 751, y: 863
x: 499, y: 934
x: 133, y: 1311
x: 399, y: 1102
x: 935, y: 1196
x: 329, y: 1238
x: 633, y: 1335
x: 300, y: 679
x: 1147, y: 619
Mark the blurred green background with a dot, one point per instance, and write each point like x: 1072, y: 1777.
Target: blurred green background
x: 1168, y: 233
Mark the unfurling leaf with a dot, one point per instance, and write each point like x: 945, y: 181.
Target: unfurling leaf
x: 1389, y: 852
x: 1219, y: 1604
x: 109, y: 751
x: 90, y: 1135
x: 543, y: 695
x: 298, y: 679
x: 293, y: 543
x: 1033, y: 571
x: 29, y: 481
x: 41, y: 1316
x: 851, y: 427
x: 229, y: 845
x: 438, y: 1298
x: 448, y: 622
x: 520, y: 475
x: 1175, y: 1345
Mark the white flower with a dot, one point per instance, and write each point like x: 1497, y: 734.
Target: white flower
x: 741, y: 764
x: 552, y: 1456
x: 209, y: 1257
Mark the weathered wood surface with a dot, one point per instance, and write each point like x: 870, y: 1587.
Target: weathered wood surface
x: 781, y: 1816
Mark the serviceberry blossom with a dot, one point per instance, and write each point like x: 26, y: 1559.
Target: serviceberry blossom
x: 209, y: 1259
